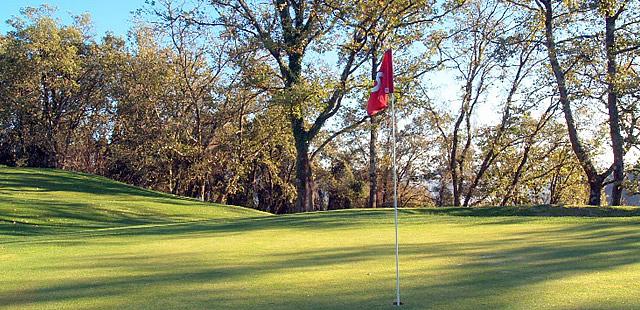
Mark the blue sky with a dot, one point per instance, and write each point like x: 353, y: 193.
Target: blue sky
x: 107, y: 15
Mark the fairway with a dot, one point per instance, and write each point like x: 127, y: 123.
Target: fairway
x: 75, y: 241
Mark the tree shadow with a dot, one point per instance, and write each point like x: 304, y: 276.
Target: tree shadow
x: 54, y: 180
x: 531, y: 258
x: 170, y: 228
x: 46, y: 180
x: 29, y: 207
x: 476, y: 275
x: 531, y: 211
x: 72, y: 216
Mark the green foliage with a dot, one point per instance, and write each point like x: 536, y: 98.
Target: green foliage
x: 244, y: 102
x: 52, y: 86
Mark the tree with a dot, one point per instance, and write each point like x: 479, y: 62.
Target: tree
x: 617, y: 44
x: 472, y: 49
x: 52, y: 87
x: 288, y: 31
x: 574, y: 51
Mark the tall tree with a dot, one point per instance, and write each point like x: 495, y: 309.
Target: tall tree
x: 617, y: 44
x: 289, y: 31
x: 471, y: 57
x: 517, y: 57
x: 552, y: 13
x: 595, y: 179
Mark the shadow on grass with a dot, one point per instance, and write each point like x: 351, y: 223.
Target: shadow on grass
x: 178, y: 229
x: 46, y: 180
x: 38, y: 202
x: 31, y: 217
x: 104, y: 223
x: 52, y: 180
x: 531, y: 258
x: 538, y: 210
x: 479, y: 274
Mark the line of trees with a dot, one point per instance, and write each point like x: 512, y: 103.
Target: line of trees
x: 260, y: 103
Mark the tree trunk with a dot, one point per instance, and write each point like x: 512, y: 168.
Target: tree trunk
x: 486, y: 162
x: 171, y: 180
x: 304, y: 177
x: 614, y: 115
x: 516, y: 177
x: 373, y: 165
x: 595, y: 191
x: 554, y: 197
x: 385, y: 187
x: 453, y: 161
x: 203, y: 189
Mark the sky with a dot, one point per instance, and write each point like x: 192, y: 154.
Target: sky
x: 107, y: 15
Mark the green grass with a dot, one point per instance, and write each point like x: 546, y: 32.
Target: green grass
x: 99, y: 244
x: 66, y: 201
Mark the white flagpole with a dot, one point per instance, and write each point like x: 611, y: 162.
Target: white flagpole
x: 395, y: 195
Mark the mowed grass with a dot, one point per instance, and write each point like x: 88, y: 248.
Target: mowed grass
x: 83, y: 242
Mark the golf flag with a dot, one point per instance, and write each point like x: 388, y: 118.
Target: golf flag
x: 379, y: 98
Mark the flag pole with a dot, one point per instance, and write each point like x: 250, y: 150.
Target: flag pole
x: 395, y: 195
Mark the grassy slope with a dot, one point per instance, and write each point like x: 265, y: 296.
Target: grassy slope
x: 336, y: 260
x: 33, y: 200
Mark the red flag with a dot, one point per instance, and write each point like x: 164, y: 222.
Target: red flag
x: 379, y: 99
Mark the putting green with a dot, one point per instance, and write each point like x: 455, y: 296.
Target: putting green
x: 82, y: 242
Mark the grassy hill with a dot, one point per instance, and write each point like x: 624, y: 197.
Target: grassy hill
x: 33, y: 200
x: 83, y: 242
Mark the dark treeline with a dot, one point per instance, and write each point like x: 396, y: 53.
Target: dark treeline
x: 260, y: 103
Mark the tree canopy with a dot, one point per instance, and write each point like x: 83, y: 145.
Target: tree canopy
x: 261, y: 103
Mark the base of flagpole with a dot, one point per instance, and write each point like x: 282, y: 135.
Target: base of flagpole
x: 395, y: 303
